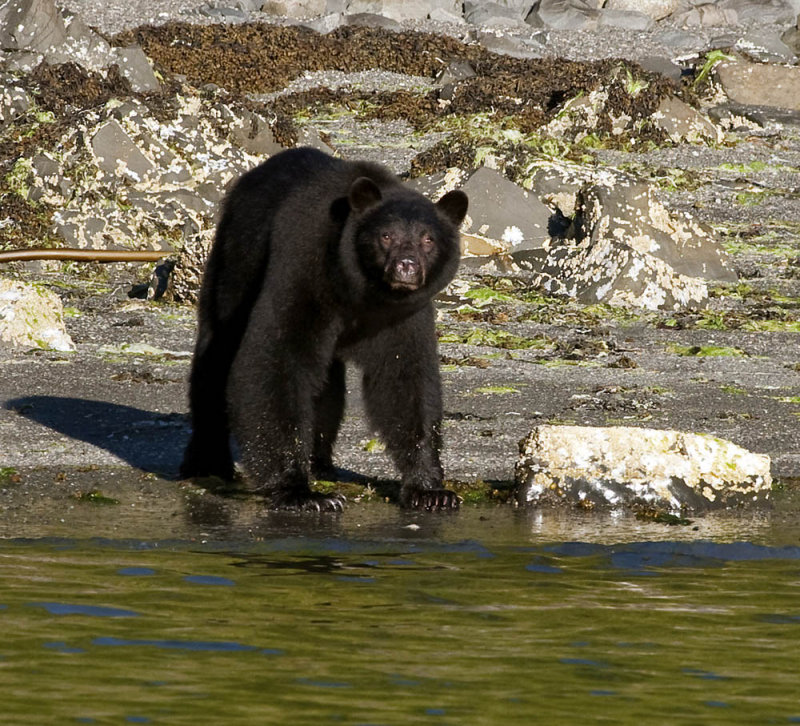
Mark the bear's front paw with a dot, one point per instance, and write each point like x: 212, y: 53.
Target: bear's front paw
x: 308, y: 501
x: 430, y: 499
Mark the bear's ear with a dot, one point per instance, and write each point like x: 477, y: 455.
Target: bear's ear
x: 363, y: 193
x: 454, y: 206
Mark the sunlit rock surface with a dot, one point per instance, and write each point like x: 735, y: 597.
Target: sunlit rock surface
x: 760, y: 83
x: 625, y: 248
x: 502, y: 216
x: 31, y: 317
x: 620, y: 466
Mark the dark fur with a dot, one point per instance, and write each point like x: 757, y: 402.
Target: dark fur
x: 319, y: 261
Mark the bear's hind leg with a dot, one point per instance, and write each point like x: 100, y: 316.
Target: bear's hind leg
x: 272, y: 394
x: 208, y: 452
x: 328, y: 411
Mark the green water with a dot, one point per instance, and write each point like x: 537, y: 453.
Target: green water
x: 404, y: 623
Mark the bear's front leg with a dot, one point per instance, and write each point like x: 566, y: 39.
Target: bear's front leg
x: 403, y: 399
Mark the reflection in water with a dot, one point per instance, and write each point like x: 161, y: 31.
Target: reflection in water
x: 182, y: 645
x: 310, y: 630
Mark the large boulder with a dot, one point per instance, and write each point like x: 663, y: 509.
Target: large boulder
x: 503, y: 217
x: 123, y: 178
x: 625, y: 248
x: 595, y: 236
x: 622, y: 466
x: 581, y: 115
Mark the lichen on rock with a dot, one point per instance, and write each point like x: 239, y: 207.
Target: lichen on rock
x: 31, y: 317
x: 620, y: 466
x: 625, y: 248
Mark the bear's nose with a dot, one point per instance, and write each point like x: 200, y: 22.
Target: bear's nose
x: 406, y: 269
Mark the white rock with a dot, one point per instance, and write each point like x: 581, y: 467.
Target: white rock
x: 398, y: 10
x: 620, y: 466
x: 31, y: 317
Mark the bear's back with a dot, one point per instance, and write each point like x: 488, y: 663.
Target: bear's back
x: 309, y: 173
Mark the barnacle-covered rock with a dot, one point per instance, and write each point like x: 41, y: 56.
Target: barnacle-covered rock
x: 625, y: 248
x: 31, y: 317
x: 621, y: 466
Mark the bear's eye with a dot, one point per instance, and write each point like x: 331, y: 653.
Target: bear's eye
x: 386, y: 239
x: 427, y: 241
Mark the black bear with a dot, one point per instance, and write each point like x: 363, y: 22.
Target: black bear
x: 317, y: 262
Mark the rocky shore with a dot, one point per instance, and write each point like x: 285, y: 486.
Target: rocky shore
x: 631, y: 255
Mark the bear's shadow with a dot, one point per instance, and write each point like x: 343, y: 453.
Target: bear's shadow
x: 147, y: 440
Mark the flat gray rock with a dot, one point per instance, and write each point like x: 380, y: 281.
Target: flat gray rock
x: 655, y: 9
x: 760, y: 84
x: 681, y: 122
x: 220, y: 12
x: 295, y: 8
x: 758, y: 115
x: 680, y: 40
x: 764, y: 11
x: 253, y: 133
x: 480, y: 13
x: 325, y: 24
x: 765, y: 45
x: 521, y: 7
x: 455, y: 71
x: 372, y: 20
x: 568, y: 14
x: 628, y: 19
x: 707, y: 15
x: 116, y: 153
x: 513, y: 47
x: 502, y: 216
x: 397, y: 10
x: 663, y: 65
x: 135, y: 67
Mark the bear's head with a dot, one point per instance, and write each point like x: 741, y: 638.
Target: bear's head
x: 405, y: 245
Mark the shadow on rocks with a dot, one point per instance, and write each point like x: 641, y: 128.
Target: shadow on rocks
x: 147, y: 440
